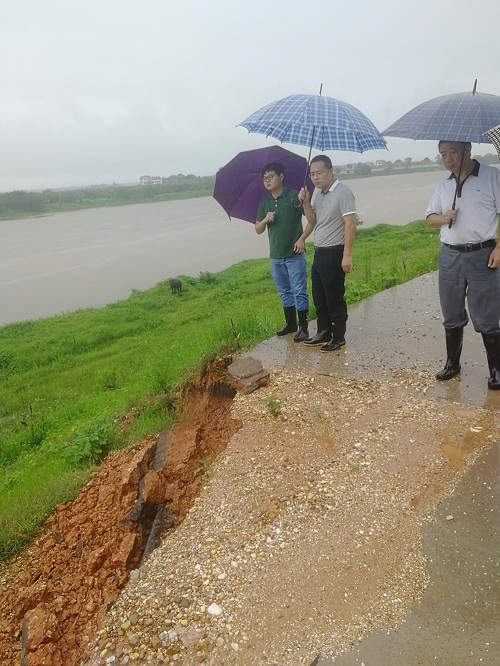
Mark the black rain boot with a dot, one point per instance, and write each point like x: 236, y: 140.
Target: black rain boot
x: 338, y: 338
x: 291, y: 321
x: 454, y: 340
x: 320, y: 338
x: 492, y: 346
x: 303, y: 333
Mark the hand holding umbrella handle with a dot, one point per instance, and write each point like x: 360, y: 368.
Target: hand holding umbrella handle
x: 304, y: 195
x: 453, y: 206
x: 450, y: 216
x: 451, y: 221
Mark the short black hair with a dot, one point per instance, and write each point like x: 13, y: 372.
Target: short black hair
x: 466, y: 144
x: 277, y: 167
x: 323, y: 158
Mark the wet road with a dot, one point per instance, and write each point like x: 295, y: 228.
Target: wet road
x: 93, y: 257
x: 457, y: 621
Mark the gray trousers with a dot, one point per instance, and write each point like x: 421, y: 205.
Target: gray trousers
x: 466, y: 275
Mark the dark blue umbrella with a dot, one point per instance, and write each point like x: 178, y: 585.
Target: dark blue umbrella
x: 458, y: 117
x: 318, y: 122
x: 463, y: 117
x: 238, y: 184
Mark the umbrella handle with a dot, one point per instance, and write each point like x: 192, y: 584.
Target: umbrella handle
x: 458, y: 183
x: 311, y: 146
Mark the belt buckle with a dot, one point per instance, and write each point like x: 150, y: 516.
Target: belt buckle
x: 468, y: 247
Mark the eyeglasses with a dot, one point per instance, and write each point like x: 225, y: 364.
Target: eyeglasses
x: 268, y: 178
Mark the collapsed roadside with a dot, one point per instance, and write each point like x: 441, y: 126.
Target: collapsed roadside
x: 308, y: 531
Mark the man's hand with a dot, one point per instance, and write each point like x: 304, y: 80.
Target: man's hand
x: 269, y: 218
x: 299, y: 246
x: 304, y: 195
x: 450, y: 216
x: 494, y: 260
x: 347, y: 266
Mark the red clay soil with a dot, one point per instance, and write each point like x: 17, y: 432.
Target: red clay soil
x: 55, y: 596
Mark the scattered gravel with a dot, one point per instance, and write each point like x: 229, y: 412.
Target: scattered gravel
x: 307, y: 533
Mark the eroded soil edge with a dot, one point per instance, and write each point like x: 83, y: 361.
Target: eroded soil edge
x: 56, y: 595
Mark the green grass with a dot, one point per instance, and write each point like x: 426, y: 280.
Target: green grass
x: 75, y: 386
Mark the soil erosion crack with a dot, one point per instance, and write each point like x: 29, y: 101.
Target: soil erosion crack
x: 54, y: 597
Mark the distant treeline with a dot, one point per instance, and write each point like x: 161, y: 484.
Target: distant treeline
x: 27, y: 204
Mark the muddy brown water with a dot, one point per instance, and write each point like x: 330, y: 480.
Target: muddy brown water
x: 89, y: 258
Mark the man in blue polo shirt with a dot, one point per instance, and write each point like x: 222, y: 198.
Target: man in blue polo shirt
x: 281, y: 214
x: 469, y: 259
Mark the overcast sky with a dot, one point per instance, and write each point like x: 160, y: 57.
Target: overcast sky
x: 104, y: 91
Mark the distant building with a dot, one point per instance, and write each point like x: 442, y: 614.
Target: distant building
x: 151, y: 180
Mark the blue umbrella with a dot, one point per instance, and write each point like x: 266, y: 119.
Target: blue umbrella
x: 463, y: 117
x: 458, y: 117
x: 318, y: 122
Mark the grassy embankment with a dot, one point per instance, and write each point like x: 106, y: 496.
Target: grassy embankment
x: 74, y: 386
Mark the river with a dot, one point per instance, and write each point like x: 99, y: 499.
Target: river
x: 89, y: 258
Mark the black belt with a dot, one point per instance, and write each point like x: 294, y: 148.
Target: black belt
x: 472, y: 247
x: 328, y: 248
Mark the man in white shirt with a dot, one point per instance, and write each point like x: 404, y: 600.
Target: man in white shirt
x: 469, y: 259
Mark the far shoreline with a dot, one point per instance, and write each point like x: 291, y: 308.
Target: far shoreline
x: 108, y: 196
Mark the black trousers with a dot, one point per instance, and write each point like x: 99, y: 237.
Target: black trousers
x: 328, y: 287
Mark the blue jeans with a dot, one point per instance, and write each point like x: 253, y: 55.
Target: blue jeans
x: 289, y: 275
x: 466, y: 275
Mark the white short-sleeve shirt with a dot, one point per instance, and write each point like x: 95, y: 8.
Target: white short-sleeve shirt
x: 477, y: 208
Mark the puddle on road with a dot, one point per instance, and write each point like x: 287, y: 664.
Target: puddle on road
x: 453, y: 453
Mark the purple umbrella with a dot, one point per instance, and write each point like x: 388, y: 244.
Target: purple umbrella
x: 238, y: 184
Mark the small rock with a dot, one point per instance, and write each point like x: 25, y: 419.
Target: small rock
x: 214, y: 610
